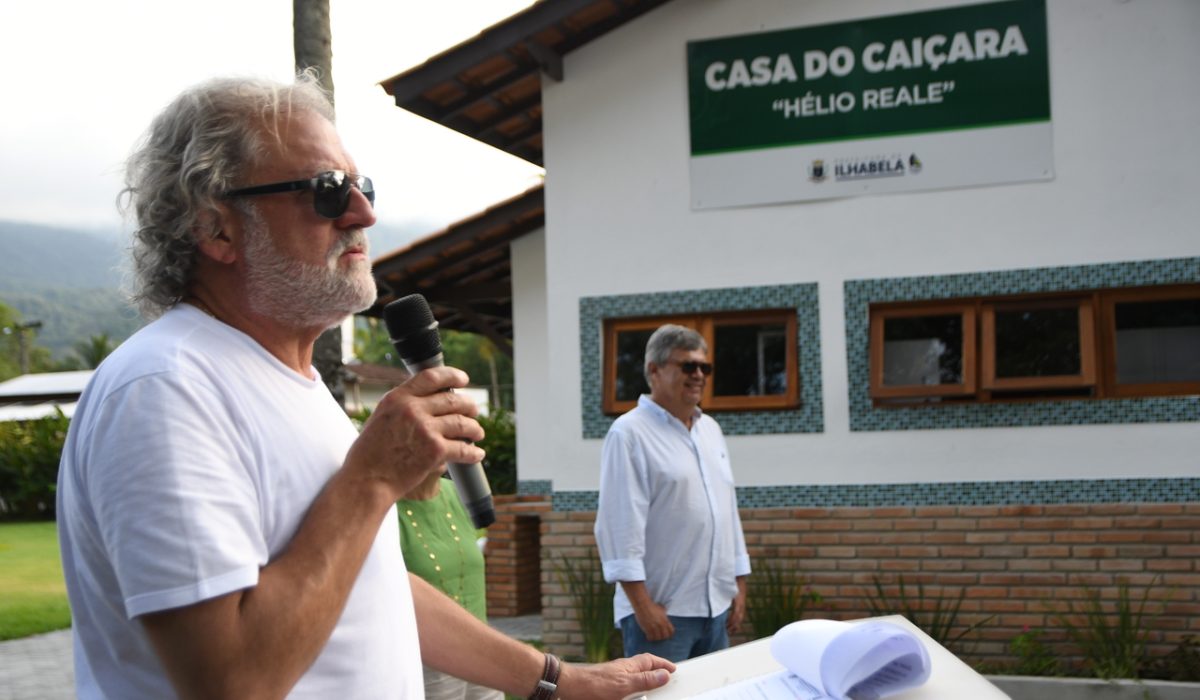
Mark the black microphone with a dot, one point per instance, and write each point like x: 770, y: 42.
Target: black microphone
x: 413, y: 332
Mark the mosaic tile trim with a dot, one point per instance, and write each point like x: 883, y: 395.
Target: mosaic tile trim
x: 986, y: 493
x: 535, y: 487
x: 807, y: 418
x: 859, y: 294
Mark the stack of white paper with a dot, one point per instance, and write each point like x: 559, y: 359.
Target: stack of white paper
x: 838, y: 660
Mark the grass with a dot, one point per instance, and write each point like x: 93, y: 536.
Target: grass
x: 33, y: 596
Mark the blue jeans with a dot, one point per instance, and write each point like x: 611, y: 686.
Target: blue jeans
x: 694, y: 636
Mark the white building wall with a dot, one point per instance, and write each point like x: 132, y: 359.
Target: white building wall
x: 1125, y: 115
x: 530, y: 348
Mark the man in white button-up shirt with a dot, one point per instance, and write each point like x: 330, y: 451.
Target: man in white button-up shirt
x: 667, y: 526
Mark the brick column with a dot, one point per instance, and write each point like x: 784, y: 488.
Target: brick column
x: 513, y: 556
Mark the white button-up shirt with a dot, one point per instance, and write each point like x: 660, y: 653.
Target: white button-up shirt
x: 668, y: 512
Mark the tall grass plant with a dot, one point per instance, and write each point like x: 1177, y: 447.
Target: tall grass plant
x: 936, y: 615
x: 1112, y: 636
x: 776, y: 595
x: 593, y: 602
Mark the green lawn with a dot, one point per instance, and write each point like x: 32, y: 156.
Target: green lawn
x: 33, y: 597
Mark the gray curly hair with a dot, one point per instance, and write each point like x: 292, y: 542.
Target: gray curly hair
x: 665, y: 340
x: 194, y: 151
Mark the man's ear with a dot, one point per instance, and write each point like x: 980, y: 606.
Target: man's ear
x: 218, y: 232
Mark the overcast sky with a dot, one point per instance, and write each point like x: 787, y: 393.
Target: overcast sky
x: 85, y: 77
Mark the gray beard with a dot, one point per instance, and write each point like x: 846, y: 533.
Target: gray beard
x: 301, y: 295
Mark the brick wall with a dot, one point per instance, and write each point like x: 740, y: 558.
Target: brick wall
x: 1019, y: 565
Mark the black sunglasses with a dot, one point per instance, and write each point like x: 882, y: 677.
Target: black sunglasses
x: 331, y: 190
x: 690, y: 367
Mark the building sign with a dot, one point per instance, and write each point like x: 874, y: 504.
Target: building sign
x: 929, y: 100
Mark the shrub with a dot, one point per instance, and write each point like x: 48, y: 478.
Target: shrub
x: 500, y: 464
x: 29, y: 454
x: 776, y: 595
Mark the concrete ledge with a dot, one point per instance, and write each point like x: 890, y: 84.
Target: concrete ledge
x: 1045, y: 688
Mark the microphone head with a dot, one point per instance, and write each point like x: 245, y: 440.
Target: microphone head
x: 412, y: 329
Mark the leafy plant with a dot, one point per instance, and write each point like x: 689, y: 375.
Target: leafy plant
x: 936, y: 615
x: 1034, y: 658
x: 593, y: 600
x: 500, y: 443
x: 29, y: 454
x: 1112, y: 637
x: 776, y: 595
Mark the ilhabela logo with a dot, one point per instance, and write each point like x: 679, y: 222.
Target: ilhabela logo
x: 869, y: 168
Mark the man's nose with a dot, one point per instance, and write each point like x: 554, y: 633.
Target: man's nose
x: 359, y: 211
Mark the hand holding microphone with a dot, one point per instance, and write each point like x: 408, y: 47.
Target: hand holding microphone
x: 413, y: 332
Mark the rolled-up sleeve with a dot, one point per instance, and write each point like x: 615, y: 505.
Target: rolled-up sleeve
x: 621, y: 515
x: 741, y: 558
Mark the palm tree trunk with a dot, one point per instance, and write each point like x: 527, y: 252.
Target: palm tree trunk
x: 312, y: 44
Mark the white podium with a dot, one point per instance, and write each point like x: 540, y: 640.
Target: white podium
x: 949, y: 679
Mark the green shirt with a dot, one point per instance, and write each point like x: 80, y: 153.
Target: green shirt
x: 438, y: 540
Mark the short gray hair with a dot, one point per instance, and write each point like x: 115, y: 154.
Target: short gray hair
x: 666, y: 340
x: 193, y: 152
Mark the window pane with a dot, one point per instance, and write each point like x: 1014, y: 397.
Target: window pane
x: 923, y: 350
x: 1158, y: 341
x: 1037, y: 343
x: 630, y: 356
x: 750, y: 360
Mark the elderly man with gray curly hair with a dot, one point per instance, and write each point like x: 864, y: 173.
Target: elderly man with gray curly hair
x: 225, y: 530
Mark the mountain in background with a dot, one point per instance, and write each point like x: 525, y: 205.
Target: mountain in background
x: 70, y: 279
x: 67, y: 279
x: 34, y: 258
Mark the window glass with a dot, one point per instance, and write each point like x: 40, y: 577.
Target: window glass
x: 753, y: 353
x: 1158, y: 341
x: 749, y: 360
x: 1037, y: 343
x: 923, y: 350
x: 630, y: 358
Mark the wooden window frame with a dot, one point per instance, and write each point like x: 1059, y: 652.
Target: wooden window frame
x: 1097, y: 326
x: 705, y: 324
x: 879, y: 315
x: 790, y: 398
x: 1087, y: 346
x: 1108, y: 322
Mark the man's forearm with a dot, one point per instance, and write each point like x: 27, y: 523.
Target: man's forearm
x: 636, y: 592
x: 456, y: 642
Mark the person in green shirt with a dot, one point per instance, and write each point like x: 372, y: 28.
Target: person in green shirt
x: 439, y: 545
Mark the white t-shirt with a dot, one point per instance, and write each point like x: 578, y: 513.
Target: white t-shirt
x: 192, y: 458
